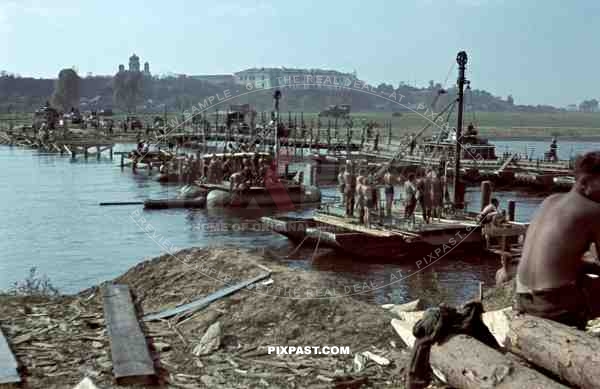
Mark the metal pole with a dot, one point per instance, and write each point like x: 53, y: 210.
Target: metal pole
x: 276, y: 96
x: 461, y: 59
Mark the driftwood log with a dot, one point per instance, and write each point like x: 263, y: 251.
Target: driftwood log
x: 464, y: 362
x: 571, y: 354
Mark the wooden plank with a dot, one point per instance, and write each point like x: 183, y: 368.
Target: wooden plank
x: 129, y: 350
x: 506, y: 163
x: 339, y: 222
x: 205, y: 301
x: 8, y: 364
x: 504, y: 230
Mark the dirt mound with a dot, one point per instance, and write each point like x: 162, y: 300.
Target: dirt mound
x: 67, y: 336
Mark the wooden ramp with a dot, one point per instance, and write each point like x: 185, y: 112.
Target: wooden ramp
x: 129, y: 351
x: 8, y: 365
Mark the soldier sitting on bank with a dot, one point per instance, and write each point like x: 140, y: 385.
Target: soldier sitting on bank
x: 551, y: 275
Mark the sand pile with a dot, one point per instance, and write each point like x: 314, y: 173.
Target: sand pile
x: 60, y: 341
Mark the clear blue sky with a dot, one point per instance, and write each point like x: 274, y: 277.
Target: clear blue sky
x: 540, y: 51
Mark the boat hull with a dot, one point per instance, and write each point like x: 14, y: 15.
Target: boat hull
x: 369, y: 246
x: 281, y: 197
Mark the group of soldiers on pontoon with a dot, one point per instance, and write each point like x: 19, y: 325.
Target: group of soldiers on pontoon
x: 241, y: 171
x: 361, y: 192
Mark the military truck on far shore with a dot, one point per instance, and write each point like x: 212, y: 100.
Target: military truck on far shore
x: 336, y: 111
x: 47, y: 116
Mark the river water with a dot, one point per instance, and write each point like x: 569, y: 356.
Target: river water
x: 51, y: 220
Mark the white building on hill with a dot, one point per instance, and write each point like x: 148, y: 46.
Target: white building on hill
x: 297, y: 78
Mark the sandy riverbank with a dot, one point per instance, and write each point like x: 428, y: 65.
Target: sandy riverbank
x: 59, y: 341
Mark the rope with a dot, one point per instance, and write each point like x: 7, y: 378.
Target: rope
x: 403, y: 147
x: 449, y: 72
x: 447, y: 120
x: 312, y: 258
x: 297, y: 247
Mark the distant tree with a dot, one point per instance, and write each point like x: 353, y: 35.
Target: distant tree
x: 510, y: 100
x: 383, y: 87
x: 66, y: 92
x: 128, y: 88
x: 431, y: 84
x: 589, y: 105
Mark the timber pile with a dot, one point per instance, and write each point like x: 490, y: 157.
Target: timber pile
x: 532, y: 345
x: 59, y: 341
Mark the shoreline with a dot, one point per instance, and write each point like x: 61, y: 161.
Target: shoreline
x: 587, y: 138
x: 74, y: 329
x: 48, y: 335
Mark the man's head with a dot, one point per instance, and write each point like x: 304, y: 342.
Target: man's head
x: 495, y: 202
x: 411, y: 177
x: 587, y: 175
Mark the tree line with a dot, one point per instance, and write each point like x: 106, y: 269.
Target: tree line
x: 136, y: 91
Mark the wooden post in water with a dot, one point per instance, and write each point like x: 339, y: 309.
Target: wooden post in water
x: 328, y: 134
x: 486, y: 193
x: 122, y: 161
x: 390, y: 134
x: 216, y: 120
x: 111, y: 152
x: 98, y: 153
x: 511, y: 210
x: 85, y: 152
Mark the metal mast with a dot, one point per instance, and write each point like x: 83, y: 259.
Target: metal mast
x: 461, y: 59
x: 276, y: 96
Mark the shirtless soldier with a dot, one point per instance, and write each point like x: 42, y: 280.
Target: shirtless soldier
x: 349, y: 187
x: 551, y: 281
x: 341, y: 184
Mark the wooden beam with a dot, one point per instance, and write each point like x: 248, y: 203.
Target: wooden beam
x: 464, y: 362
x: 340, y: 222
x: 130, y: 356
x: 506, y: 163
x: 565, y: 351
x: 205, y: 301
x: 8, y: 364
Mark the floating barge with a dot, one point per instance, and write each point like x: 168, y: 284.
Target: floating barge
x: 393, y: 238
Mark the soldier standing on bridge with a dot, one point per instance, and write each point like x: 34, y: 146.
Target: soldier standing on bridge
x: 389, y: 192
x: 412, y: 144
x: 349, y: 187
x: 553, y: 154
x: 341, y: 185
x: 410, y: 200
x: 212, y: 166
x: 368, y: 200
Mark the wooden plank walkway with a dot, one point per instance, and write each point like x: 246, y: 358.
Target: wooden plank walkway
x: 8, y: 364
x: 130, y: 356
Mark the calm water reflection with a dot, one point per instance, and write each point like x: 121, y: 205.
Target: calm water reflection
x: 51, y: 219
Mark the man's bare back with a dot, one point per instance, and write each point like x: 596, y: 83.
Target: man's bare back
x: 558, y: 236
